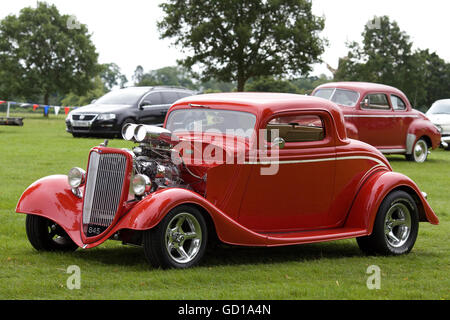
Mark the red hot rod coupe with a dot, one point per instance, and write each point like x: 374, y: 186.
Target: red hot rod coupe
x: 382, y: 116
x: 301, y: 181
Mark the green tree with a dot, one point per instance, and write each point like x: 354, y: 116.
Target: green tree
x: 168, y: 76
x: 138, y: 74
x: 434, y: 79
x: 385, y: 52
x: 271, y: 84
x: 43, y: 53
x: 111, y: 76
x: 98, y: 89
x: 386, y: 57
x: 235, y: 40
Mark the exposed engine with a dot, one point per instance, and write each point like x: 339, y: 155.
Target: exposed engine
x: 153, y: 157
x: 158, y: 166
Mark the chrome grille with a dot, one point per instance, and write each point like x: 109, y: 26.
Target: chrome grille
x: 85, y: 117
x: 105, y: 180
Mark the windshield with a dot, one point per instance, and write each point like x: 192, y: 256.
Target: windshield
x: 343, y: 97
x: 440, y: 107
x: 210, y: 120
x: 126, y: 96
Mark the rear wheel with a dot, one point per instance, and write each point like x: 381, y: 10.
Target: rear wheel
x: 179, y: 240
x: 420, y: 152
x: 395, y: 228
x: 45, y: 235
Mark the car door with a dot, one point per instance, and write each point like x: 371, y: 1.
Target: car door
x: 298, y: 195
x: 402, y: 119
x: 152, y: 109
x: 374, y: 121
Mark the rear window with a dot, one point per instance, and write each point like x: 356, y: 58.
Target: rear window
x: 397, y: 103
x: 300, y: 128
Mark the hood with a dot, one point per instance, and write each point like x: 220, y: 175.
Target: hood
x: 101, y: 108
x: 439, y: 118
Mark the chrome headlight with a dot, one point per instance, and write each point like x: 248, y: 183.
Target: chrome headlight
x: 76, y: 177
x: 141, y: 184
x: 106, y: 116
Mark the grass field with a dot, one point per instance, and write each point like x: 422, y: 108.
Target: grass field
x: 335, y: 270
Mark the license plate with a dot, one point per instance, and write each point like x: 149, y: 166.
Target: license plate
x: 81, y: 124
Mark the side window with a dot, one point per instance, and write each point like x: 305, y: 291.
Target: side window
x: 153, y: 98
x: 301, y: 128
x: 169, y: 97
x: 397, y: 103
x: 377, y: 101
x: 183, y: 94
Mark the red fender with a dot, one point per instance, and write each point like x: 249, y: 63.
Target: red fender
x: 423, y: 127
x: 372, y: 193
x: 150, y: 211
x: 51, y: 197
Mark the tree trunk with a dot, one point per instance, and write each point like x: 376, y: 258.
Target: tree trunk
x: 241, y: 84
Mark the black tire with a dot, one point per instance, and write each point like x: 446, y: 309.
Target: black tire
x: 164, y: 244
x: 419, y: 152
x: 397, y: 208
x: 45, y: 235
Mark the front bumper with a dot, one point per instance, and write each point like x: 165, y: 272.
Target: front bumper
x: 445, y: 141
x: 95, y: 127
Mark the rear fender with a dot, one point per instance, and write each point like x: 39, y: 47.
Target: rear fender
x: 365, y: 207
x: 422, y: 128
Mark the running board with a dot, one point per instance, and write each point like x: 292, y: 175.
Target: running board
x: 300, y: 237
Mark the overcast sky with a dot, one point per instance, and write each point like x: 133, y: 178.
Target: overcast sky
x: 125, y: 32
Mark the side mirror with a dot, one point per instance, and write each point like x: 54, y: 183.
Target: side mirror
x: 145, y: 103
x: 278, y: 142
x: 93, y: 101
x: 365, y: 103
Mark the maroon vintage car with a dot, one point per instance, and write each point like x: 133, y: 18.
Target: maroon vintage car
x: 210, y: 174
x: 382, y: 116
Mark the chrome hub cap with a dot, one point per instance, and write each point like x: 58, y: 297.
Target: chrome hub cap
x: 183, y: 237
x: 397, y: 225
x: 420, y: 151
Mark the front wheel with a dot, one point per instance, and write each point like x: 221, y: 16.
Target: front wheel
x: 420, y: 152
x: 179, y: 240
x: 45, y: 235
x: 395, y: 228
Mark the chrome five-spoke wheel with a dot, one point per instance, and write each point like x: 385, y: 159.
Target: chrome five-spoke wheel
x: 397, y: 225
x: 395, y: 228
x: 183, y: 237
x: 179, y: 240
